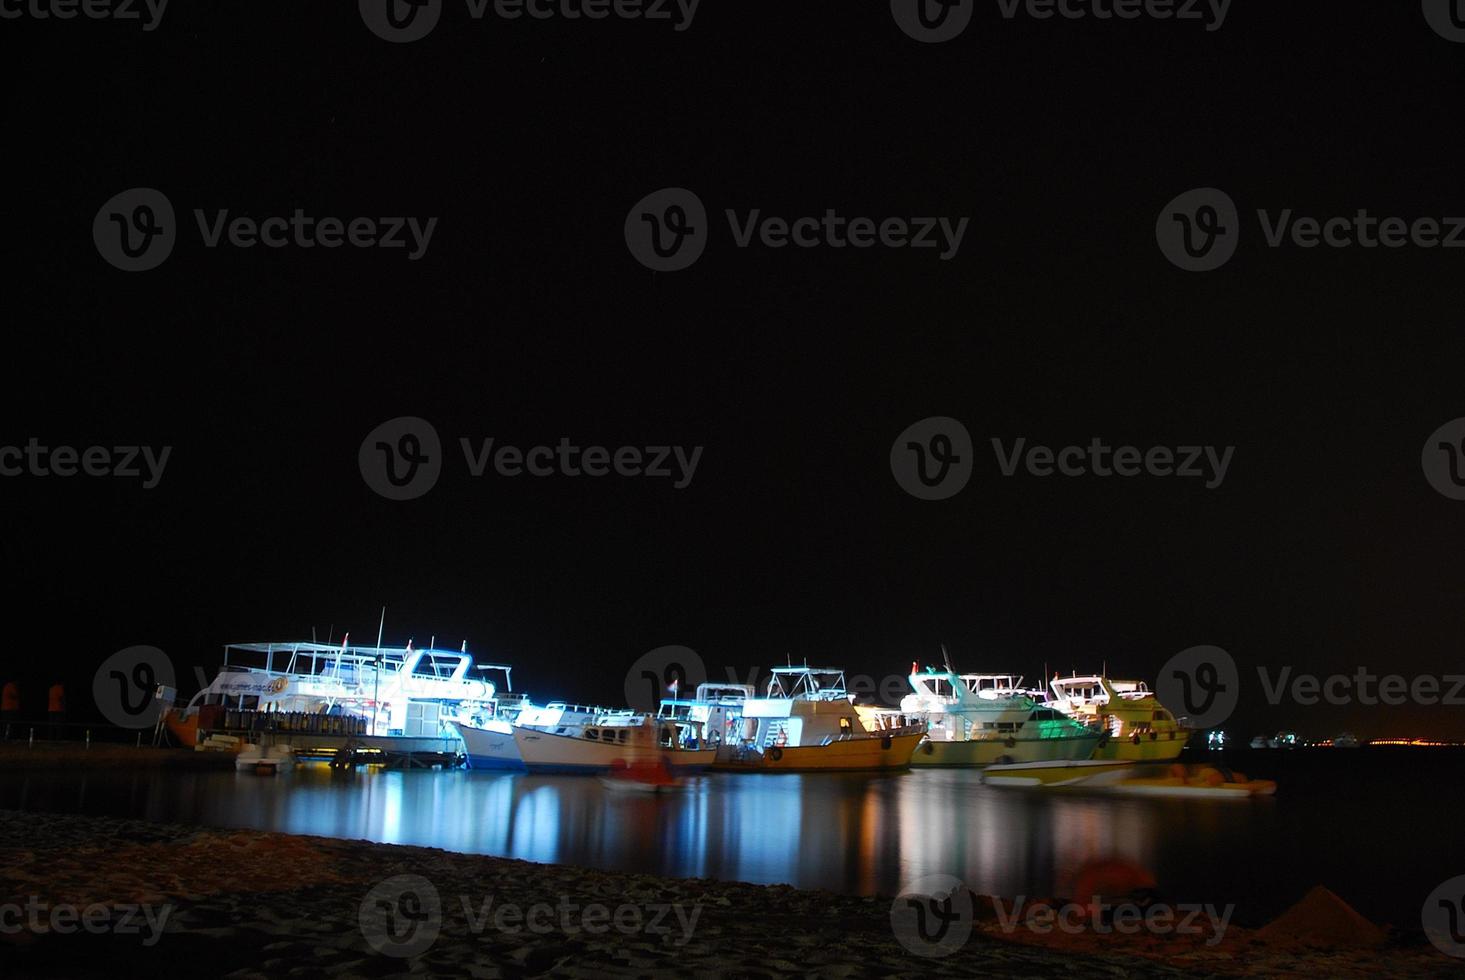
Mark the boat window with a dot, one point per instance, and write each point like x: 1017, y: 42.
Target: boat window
x: 592, y: 734
x: 620, y: 735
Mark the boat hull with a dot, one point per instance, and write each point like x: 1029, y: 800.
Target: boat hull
x: 847, y: 755
x: 987, y: 752
x: 491, y: 748
x: 546, y: 752
x: 1161, y: 749
x: 1053, y: 773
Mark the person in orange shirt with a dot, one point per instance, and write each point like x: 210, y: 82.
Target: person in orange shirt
x: 9, y: 707
x: 56, y: 706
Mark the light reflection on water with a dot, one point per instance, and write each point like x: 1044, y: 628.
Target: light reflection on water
x: 862, y: 834
x: 1378, y: 828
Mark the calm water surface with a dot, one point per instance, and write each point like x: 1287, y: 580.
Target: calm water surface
x: 1380, y: 829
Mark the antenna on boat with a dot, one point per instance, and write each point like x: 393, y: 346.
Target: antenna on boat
x: 432, y: 643
x: 946, y: 659
x: 381, y: 627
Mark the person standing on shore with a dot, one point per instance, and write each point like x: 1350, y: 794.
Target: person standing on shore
x: 9, y: 707
x: 56, y: 706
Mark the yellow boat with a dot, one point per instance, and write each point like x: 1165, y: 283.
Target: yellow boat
x: 807, y: 722
x: 1138, y: 727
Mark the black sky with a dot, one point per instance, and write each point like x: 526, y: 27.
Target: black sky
x: 528, y: 320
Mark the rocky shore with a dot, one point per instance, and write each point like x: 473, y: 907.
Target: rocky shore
x: 87, y: 896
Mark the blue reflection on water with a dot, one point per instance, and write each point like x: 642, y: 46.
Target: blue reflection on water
x: 862, y: 834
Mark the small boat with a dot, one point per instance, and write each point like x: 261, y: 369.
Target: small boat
x: 1138, y: 726
x: 646, y: 776
x: 620, y: 739
x: 1260, y: 742
x: 1347, y: 740
x: 807, y: 722
x: 985, y: 719
x: 1197, y: 782
x: 265, y: 761
x: 1063, y: 773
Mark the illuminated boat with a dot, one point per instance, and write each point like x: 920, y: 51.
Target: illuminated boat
x: 320, y: 695
x: 490, y: 743
x: 1138, y: 726
x: 807, y: 721
x: 615, y: 741
x: 982, y: 719
x: 1051, y: 773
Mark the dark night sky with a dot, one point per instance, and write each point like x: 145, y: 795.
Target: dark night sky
x: 528, y: 320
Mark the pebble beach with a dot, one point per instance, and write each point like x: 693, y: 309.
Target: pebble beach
x: 235, y: 903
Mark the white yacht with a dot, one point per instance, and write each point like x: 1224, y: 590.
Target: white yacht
x: 621, y: 739
x: 1138, y: 727
x: 987, y: 719
x: 490, y: 742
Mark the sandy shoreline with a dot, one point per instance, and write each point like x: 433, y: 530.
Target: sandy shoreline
x: 247, y: 903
